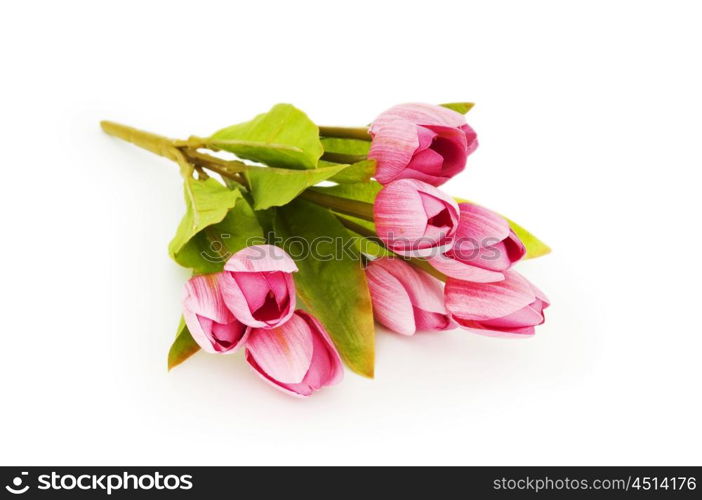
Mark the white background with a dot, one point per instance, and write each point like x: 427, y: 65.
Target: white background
x: 589, y: 117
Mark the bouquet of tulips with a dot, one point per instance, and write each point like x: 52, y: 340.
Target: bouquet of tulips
x: 349, y: 225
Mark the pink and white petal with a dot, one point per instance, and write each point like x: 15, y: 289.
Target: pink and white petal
x: 399, y: 213
x: 237, y: 302
x: 428, y: 162
x: 450, y: 144
x: 304, y: 391
x: 484, y: 301
x: 421, y: 114
x: 326, y: 367
x: 260, y: 258
x: 433, y: 206
x: 423, y: 290
x: 478, y: 224
x: 392, y: 306
x: 525, y: 317
x: 279, y: 285
x: 462, y: 271
x: 228, y: 337
x: 393, y: 145
x: 202, y: 294
x: 425, y: 136
x: 432, y: 321
x: 254, y: 286
x: 435, y: 180
x: 213, y: 337
x: 283, y: 353
x: 198, y: 332
x: 492, y: 258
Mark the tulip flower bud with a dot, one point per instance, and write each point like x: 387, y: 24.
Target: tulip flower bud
x: 406, y: 299
x: 258, y: 287
x: 511, y: 307
x: 415, y: 218
x: 420, y: 141
x: 209, y: 321
x: 298, y: 357
x: 483, y: 247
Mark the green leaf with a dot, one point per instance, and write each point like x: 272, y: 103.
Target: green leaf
x: 183, y: 346
x: 361, y: 171
x: 534, y: 246
x: 273, y: 187
x: 360, y: 192
x: 217, y: 223
x: 331, y: 283
x: 345, y: 146
x: 206, y: 202
x: 459, y: 107
x: 283, y: 137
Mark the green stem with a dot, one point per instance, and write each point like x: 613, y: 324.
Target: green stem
x: 162, y: 146
x: 355, y: 208
x: 231, y: 169
x: 342, y: 158
x: 155, y: 143
x: 222, y: 167
x: 360, y: 133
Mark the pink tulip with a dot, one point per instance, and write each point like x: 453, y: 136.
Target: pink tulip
x: 483, y: 248
x: 420, y: 141
x: 406, y: 299
x: 297, y: 357
x: 257, y: 286
x: 512, y: 307
x: 211, y: 324
x: 415, y: 218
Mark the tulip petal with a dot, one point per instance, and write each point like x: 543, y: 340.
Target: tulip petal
x: 260, y: 258
x: 325, y: 367
x: 209, y: 321
x: 399, y: 212
x: 259, y: 299
x: 432, y: 321
x: 391, y: 303
x: 283, y: 353
x: 254, y: 286
x: 450, y: 144
x: 394, y: 143
x: 478, y: 225
x: 525, y: 317
x: 471, y: 138
x: 485, y: 301
x: 413, y: 217
x: 424, y: 291
x: 492, y: 258
x: 463, y: 271
x: 203, y: 295
x: 421, y: 114
x: 427, y: 163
